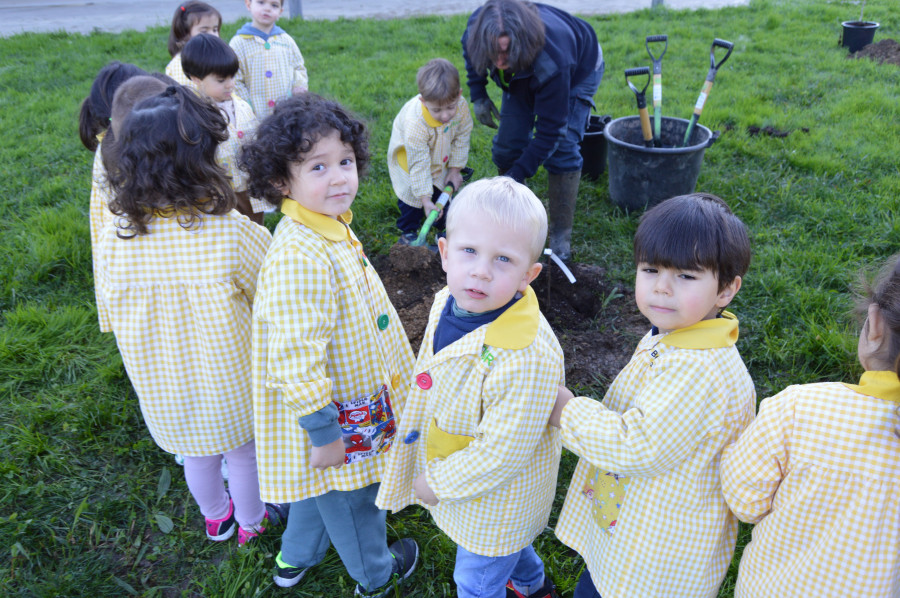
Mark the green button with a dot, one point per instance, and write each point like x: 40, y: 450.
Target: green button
x: 267, y: 46
x: 383, y: 321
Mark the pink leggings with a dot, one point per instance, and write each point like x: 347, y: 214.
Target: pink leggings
x: 204, y: 480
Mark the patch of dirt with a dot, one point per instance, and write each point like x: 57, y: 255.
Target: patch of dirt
x: 596, y: 321
x: 886, y: 50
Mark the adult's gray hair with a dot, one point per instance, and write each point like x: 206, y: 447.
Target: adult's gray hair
x: 518, y: 20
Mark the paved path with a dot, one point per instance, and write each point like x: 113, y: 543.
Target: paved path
x: 84, y: 16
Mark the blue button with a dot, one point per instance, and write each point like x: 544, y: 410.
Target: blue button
x: 411, y: 437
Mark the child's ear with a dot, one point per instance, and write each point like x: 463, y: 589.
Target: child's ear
x: 530, y: 275
x: 196, y: 81
x: 727, y: 294
x: 442, y: 249
x: 283, y: 187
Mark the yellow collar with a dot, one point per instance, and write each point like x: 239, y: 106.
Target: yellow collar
x: 881, y: 385
x: 430, y: 120
x: 716, y: 333
x: 517, y: 327
x: 331, y: 229
x: 102, y: 134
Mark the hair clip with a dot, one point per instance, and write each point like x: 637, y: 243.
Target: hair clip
x: 182, y: 9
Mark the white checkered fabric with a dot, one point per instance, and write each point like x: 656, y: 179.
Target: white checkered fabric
x: 819, y: 470
x: 495, y: 495
x: 269, y: 70
x: 179, y: 303
x: 240, y: 131
x: 663, y: 423
x: 175, y: 70
x: 316, y: 339
x: 100, y: 216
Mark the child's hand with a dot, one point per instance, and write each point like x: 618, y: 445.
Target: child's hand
x: 563, y: 396
x: 329, y: 455
x: 454, y: 178
x: 298, y: 90
x: 423, y: 490
x: 428, y: 205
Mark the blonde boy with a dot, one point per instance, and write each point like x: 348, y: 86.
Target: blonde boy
x: 475, y: 446
x: 271, y: 65
x: 429, y: 145
x: 645, y: 506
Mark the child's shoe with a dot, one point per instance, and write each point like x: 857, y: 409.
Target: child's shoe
x: 276, y: 514
x: 219, y: 530
x: 287, y: 576
x: 548, y: 590
x: 406, y: 556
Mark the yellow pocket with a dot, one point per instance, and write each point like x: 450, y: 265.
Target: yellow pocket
x: 443, y: 444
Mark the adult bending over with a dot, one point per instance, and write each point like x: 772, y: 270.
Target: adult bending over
x: 549, y: 65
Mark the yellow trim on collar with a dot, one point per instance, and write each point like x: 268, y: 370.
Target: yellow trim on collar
x: 517, y: 327
x: 330, y: 228
x: 101, y: 135
x: 882, y: 385
x: 716, y: 333
x: 430, y: 120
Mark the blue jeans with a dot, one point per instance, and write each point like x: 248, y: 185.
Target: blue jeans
x: 479, y: 576
x: 517, y: 126
x: 585, y: 587
x: 349, y: 520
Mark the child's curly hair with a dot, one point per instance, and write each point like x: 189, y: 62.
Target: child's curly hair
x: 166, y: 163
x: 297, y: 124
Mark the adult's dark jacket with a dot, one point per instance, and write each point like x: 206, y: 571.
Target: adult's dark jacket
x: 570, y: 54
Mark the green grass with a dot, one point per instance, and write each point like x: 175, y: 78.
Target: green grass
x: 88, y: 504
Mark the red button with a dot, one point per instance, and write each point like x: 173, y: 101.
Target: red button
x: 271, y: 103
x: 446, y: 158
x: 424, y: 381
x: 240, y: 134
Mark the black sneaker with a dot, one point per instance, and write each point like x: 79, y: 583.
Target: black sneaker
x: 287, y: 576
x: 406, y: 556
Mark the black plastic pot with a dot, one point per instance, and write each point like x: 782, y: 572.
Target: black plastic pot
x: 856, y: 35
x: 641, y: 177
x: 593, y: 148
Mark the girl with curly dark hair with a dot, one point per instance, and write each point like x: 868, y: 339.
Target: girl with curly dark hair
x: 176, y: 277
x: 329, y: 351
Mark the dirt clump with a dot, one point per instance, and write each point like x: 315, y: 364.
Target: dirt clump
x: 886, y: 50
x: 596, y: 320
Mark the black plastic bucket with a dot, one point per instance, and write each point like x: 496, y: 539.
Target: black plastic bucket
x: 593, y: 148
x: 640, y: 176
x: 856, y: 35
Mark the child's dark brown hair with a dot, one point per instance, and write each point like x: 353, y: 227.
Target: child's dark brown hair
x: 96, y: 109
x: 186, y: 16
x: 166, y: 164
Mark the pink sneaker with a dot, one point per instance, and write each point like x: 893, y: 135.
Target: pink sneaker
x: 219, y: 530
x: 276, y: 514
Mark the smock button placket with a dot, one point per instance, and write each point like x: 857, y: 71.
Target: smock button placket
x: 383, y: 321
x: 423, y: 381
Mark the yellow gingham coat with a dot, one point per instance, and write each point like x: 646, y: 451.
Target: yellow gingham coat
x: 179, y: 303
x: 682, y: 398
x: 493, y: 389
x: 323, y: 330
x: 421, y: 149
x: 818, y: 471
x: 269, y: 70
x: 240, y: 131
x: 175, y: 70
x: 100, y: 216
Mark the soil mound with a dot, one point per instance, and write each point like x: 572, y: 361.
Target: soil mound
x: 886, y: 50
x: 596, y: 321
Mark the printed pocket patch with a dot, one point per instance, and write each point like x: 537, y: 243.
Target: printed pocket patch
x: 367, y: 424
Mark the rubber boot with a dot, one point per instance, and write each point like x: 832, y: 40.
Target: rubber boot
x: 563, y: 191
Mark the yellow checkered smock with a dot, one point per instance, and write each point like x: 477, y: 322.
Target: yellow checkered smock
x: 819, y: 474
x: 665, y: 419
x: 240, y: 131
x: 422, y: 149
x: 269, y: 70
x: 323, y: 330
x: 100, y: 216
x: 175, y: 70
x: 476, y: 422
x: 179, y: 303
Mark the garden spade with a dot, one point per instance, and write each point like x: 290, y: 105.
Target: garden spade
x: 657, y: 83
x: 438, y: 206
x: 707, y: 85
x: 641, y: 95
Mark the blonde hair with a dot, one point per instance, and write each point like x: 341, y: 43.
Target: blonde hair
x: 438, y: 81
x: 503, y: 202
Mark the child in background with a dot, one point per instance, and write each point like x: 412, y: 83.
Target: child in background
x: 211, y: 65
x: 272, y: 67
x: 330, y: 358
x: 429, y: 145
x: 190, y: 19
x: 644, y: 507
x: 93, y: 123
x: 818, y: 472
x: 182, y: 324
x: 476, y: 448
